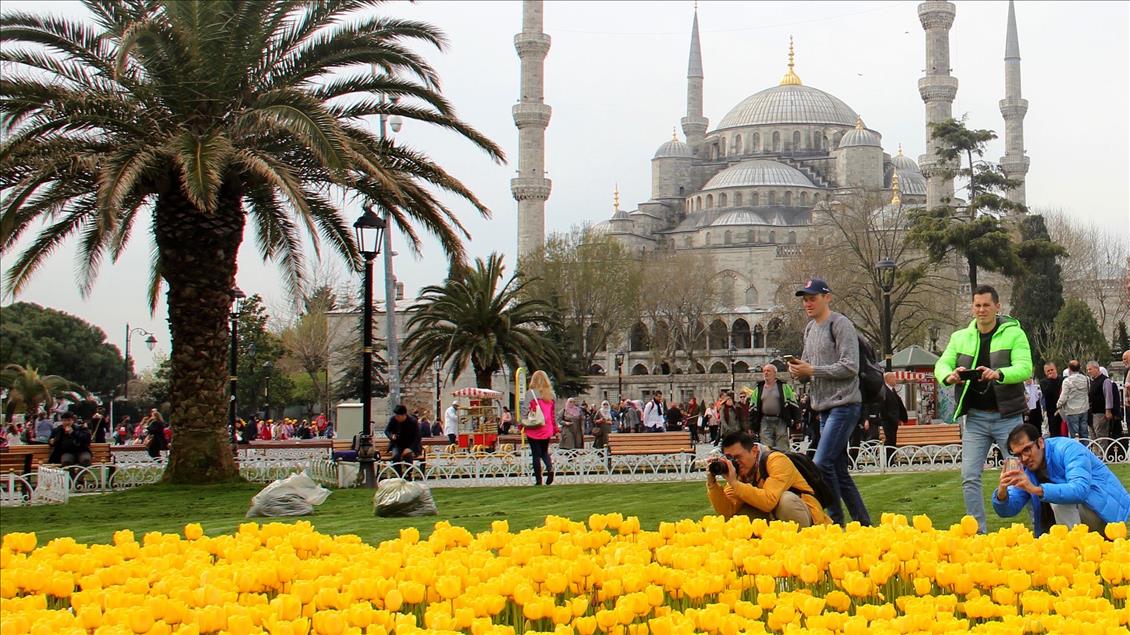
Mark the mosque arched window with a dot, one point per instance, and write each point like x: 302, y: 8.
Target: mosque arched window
x: 772, y: 198
x: 755, y: 199
x: 776, y: 141
x: 709, y: 201
x: 737, y: 144
x: 689, y: 242
x: 750, y: 236
x: 681, y: 188
x: 755, y: 143
x: 804, y: 198
x: 698, y: 203
x: 707, y: 239
x: 816, y: 197
x: 739, y: 334
x: 719, y: 336
x: 638, y: 339
x: 758, y: 336
x: 737, y: 199
x: 727, y: 238
x: 788, y: 199
x: 796, y: 140
x: 772, y: 237
x: 791, y: 238
x: 723, y: 200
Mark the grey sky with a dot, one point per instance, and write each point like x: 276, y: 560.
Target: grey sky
x: 615, y: 78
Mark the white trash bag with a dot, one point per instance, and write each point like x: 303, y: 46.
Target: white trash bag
x: 295, y: 495
x: 398, y: 497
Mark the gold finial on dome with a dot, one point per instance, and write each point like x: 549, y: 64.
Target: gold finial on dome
x: 674, y: 136
x: 616, y: 198
x: 859, y: 123
x: 900, y: 149
x: 896, y: 193
x: 790, y: 78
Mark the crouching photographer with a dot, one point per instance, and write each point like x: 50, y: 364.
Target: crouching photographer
x: 760, y: 483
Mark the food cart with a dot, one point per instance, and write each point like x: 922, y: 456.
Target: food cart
x: 915, y: 370
x: 478, y: 417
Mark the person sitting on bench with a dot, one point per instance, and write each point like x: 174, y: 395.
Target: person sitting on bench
x: 70, y: 443
x: 403, y: 434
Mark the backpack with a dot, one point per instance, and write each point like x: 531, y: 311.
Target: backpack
x: 870, y: 371
x: 809, y: 472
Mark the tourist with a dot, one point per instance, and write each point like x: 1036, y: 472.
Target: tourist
x: 70, y: 443
x: 1033, y: 397
x: 425, y: 425
x: 728, y: 422
x: 630, y: 419
x: 1074, y: 401
x: 572, y: 422
x: 673, y: 419
x: 1076, y: 486
x: 653, y: 413
x: 44, y: 426
x: 451, y: 422
x: 892, y: 414
x: 155, y: 441
x: 403, y: 433
x: 12, y: 435
x: 1050, y: 387
x: 539, y: 425
x: 602, y: 425
x: 506, y: 421
x: 773, y: 409
x: 710, y: 422
x: 992, y: 399
x: 1102, y: 403
x: 830, y: 363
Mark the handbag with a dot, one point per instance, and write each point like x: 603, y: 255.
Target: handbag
x: 535, y: 418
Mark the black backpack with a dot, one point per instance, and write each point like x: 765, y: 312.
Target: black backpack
x: 870, y: 371
x: 811, y: 474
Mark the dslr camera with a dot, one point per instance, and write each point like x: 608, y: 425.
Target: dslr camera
x: 717, y: 465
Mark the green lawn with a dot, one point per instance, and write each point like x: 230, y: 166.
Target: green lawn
x: 221, y: 509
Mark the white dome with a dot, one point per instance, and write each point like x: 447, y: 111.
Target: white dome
x: 789, y: 104
x: 911, y: 182
x: 903, y: 162
x: 758, y: 172
x: 860, y: 137
x: 674, y: 149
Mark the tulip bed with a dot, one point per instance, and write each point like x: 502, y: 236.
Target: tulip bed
x: 604, y: 575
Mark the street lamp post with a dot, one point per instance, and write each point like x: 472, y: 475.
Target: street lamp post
x: 368, y: 229
x: 934, y: 332
x: 391, y: 342
x: 885, y: 268
x: 437, y: 366
x: 731, y: 353
x: 268, y: 367
x: 233, y: 359
x: 619, y: 375
x: 150, y: 342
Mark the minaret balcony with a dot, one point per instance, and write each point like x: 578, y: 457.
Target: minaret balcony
x: 530, y: 188
x: 531, y: 44
x: 1013, y: 108
x: 936, y: 15
x: 1014, y: 166
x: 937, y: 88
x: 531, y: 115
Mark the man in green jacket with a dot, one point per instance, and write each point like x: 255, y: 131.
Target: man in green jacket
x: 987, y: 362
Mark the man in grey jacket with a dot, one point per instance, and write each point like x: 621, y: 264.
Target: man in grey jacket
x: 1073, y: 403
x: 830, y: 362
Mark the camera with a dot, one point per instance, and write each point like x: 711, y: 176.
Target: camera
x: 717, y: 465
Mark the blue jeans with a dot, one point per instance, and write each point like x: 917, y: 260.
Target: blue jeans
x: 1079, y: 426
x: 831, y: 457
x: 982, y: 428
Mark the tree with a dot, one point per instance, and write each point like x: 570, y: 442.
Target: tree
x: 28, y: 391
x: 1121, y: 341
x: 203, y: 116
x: 260, y: 371
x: 1076, y: 335
x: 678, y: 301
x: 1098, y: 270
x: 974, y: 230
x: 307, y: 342
x: 595, y: 282
x: 60, y: 343
x: 156, y: 381
x: 567, y: 343
x: 471, y: 321
x: 1037, y: 293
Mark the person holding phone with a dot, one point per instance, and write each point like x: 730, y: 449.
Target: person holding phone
x: 987, y: 363
x: 1061, y: 481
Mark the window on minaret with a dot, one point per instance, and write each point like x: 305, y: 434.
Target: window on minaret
x: 737, y: 199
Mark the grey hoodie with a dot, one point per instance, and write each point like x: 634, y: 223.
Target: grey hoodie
x: 1073, y: 398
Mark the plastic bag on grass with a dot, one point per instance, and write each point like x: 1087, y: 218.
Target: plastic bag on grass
x: 295, y: 495
x: 398, y: 497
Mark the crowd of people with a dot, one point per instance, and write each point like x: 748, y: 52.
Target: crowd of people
x: 71, y: 436
x: 258, y: 429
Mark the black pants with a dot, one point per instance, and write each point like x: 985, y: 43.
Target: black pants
x: 890, y: 431
x: 451, y: 438
x: 1055, y: 425
x: 539, y: 450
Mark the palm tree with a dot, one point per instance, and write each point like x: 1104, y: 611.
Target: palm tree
x: 209, y: 115
x: 471, y: 321
x: 28, y: 390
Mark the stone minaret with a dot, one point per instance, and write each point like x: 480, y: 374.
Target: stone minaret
x: 938, y: 89
x: 530, y: 188
x: 694, y: 124
x: 1013, y: 108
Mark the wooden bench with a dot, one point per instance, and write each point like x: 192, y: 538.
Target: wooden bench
x: 24, y: 459
x: 929, y: 434
x: 637, y: 443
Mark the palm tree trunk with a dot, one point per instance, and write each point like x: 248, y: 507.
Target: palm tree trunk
x: 483, y: 377
x: 198, y: 261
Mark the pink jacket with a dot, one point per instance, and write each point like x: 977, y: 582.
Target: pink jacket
x: 550, y: 427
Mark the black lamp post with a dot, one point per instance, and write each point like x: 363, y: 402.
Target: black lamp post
x: 437, y: 366
x: 233, y: 359
x: 268, y: 368
x: 150, y: 342
x: 934, y: 332
x: 368, y: 230
x: 619, y: 374
x: 885, y: 268
x: 730, y: 354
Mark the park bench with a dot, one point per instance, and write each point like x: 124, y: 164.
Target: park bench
x: 650, y: 451
x: 928, y: 434
x: 25, y: 459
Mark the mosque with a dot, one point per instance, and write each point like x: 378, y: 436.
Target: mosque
x: 745, y: 189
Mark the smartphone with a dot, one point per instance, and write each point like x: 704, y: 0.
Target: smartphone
x: 789, y: 359
x: 1012, y: 464
x: 969, y: 375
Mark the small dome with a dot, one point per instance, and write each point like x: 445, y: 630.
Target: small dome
x: 621, y: 215
x: 860, y: 137
x: 603, y: 227
x: 758, y: 172
x: 903, y: 162
x: 911, y: 182
x: 740, y: 217
x: 674, y: 149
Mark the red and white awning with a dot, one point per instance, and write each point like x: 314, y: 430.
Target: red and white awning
x: 909, y: 375
x: 477, y: 393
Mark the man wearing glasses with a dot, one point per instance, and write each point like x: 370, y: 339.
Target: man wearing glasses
x: 1062, y: 482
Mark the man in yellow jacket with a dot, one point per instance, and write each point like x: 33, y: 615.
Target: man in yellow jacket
x: 780, y: 493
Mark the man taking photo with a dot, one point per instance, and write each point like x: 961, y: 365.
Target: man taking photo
x: 987, y: 362
x: 769, y: 488
x: 1061, y: 481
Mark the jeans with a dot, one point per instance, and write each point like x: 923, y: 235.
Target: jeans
x: 539, y: 450
x: 1078, y: 426
x: 836, y: 426
x: 982, y: 428
x: 775, y: 433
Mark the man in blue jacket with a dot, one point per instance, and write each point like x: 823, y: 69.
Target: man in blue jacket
x: 1062, y: 481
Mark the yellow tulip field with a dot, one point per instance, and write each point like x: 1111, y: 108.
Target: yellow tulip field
x: 604, y: 575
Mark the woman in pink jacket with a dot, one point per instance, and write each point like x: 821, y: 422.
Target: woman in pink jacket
x: 543, y: 400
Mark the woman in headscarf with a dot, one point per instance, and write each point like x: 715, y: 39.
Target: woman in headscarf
x: 602, y: 425
x: 571, y: 428
x: 542, y: 400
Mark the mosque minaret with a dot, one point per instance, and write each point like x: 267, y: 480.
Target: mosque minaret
x: 531, y: 115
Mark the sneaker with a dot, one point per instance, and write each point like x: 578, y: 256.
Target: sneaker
x: 549, y: 478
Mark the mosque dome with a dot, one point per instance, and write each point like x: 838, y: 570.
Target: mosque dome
x: 903, y: 162
x: 621, y: 215
x: 758, y: 172
x: 674, y: 149
x: 740, y: 217
x: 911, y: 181
x: 860, y: 136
